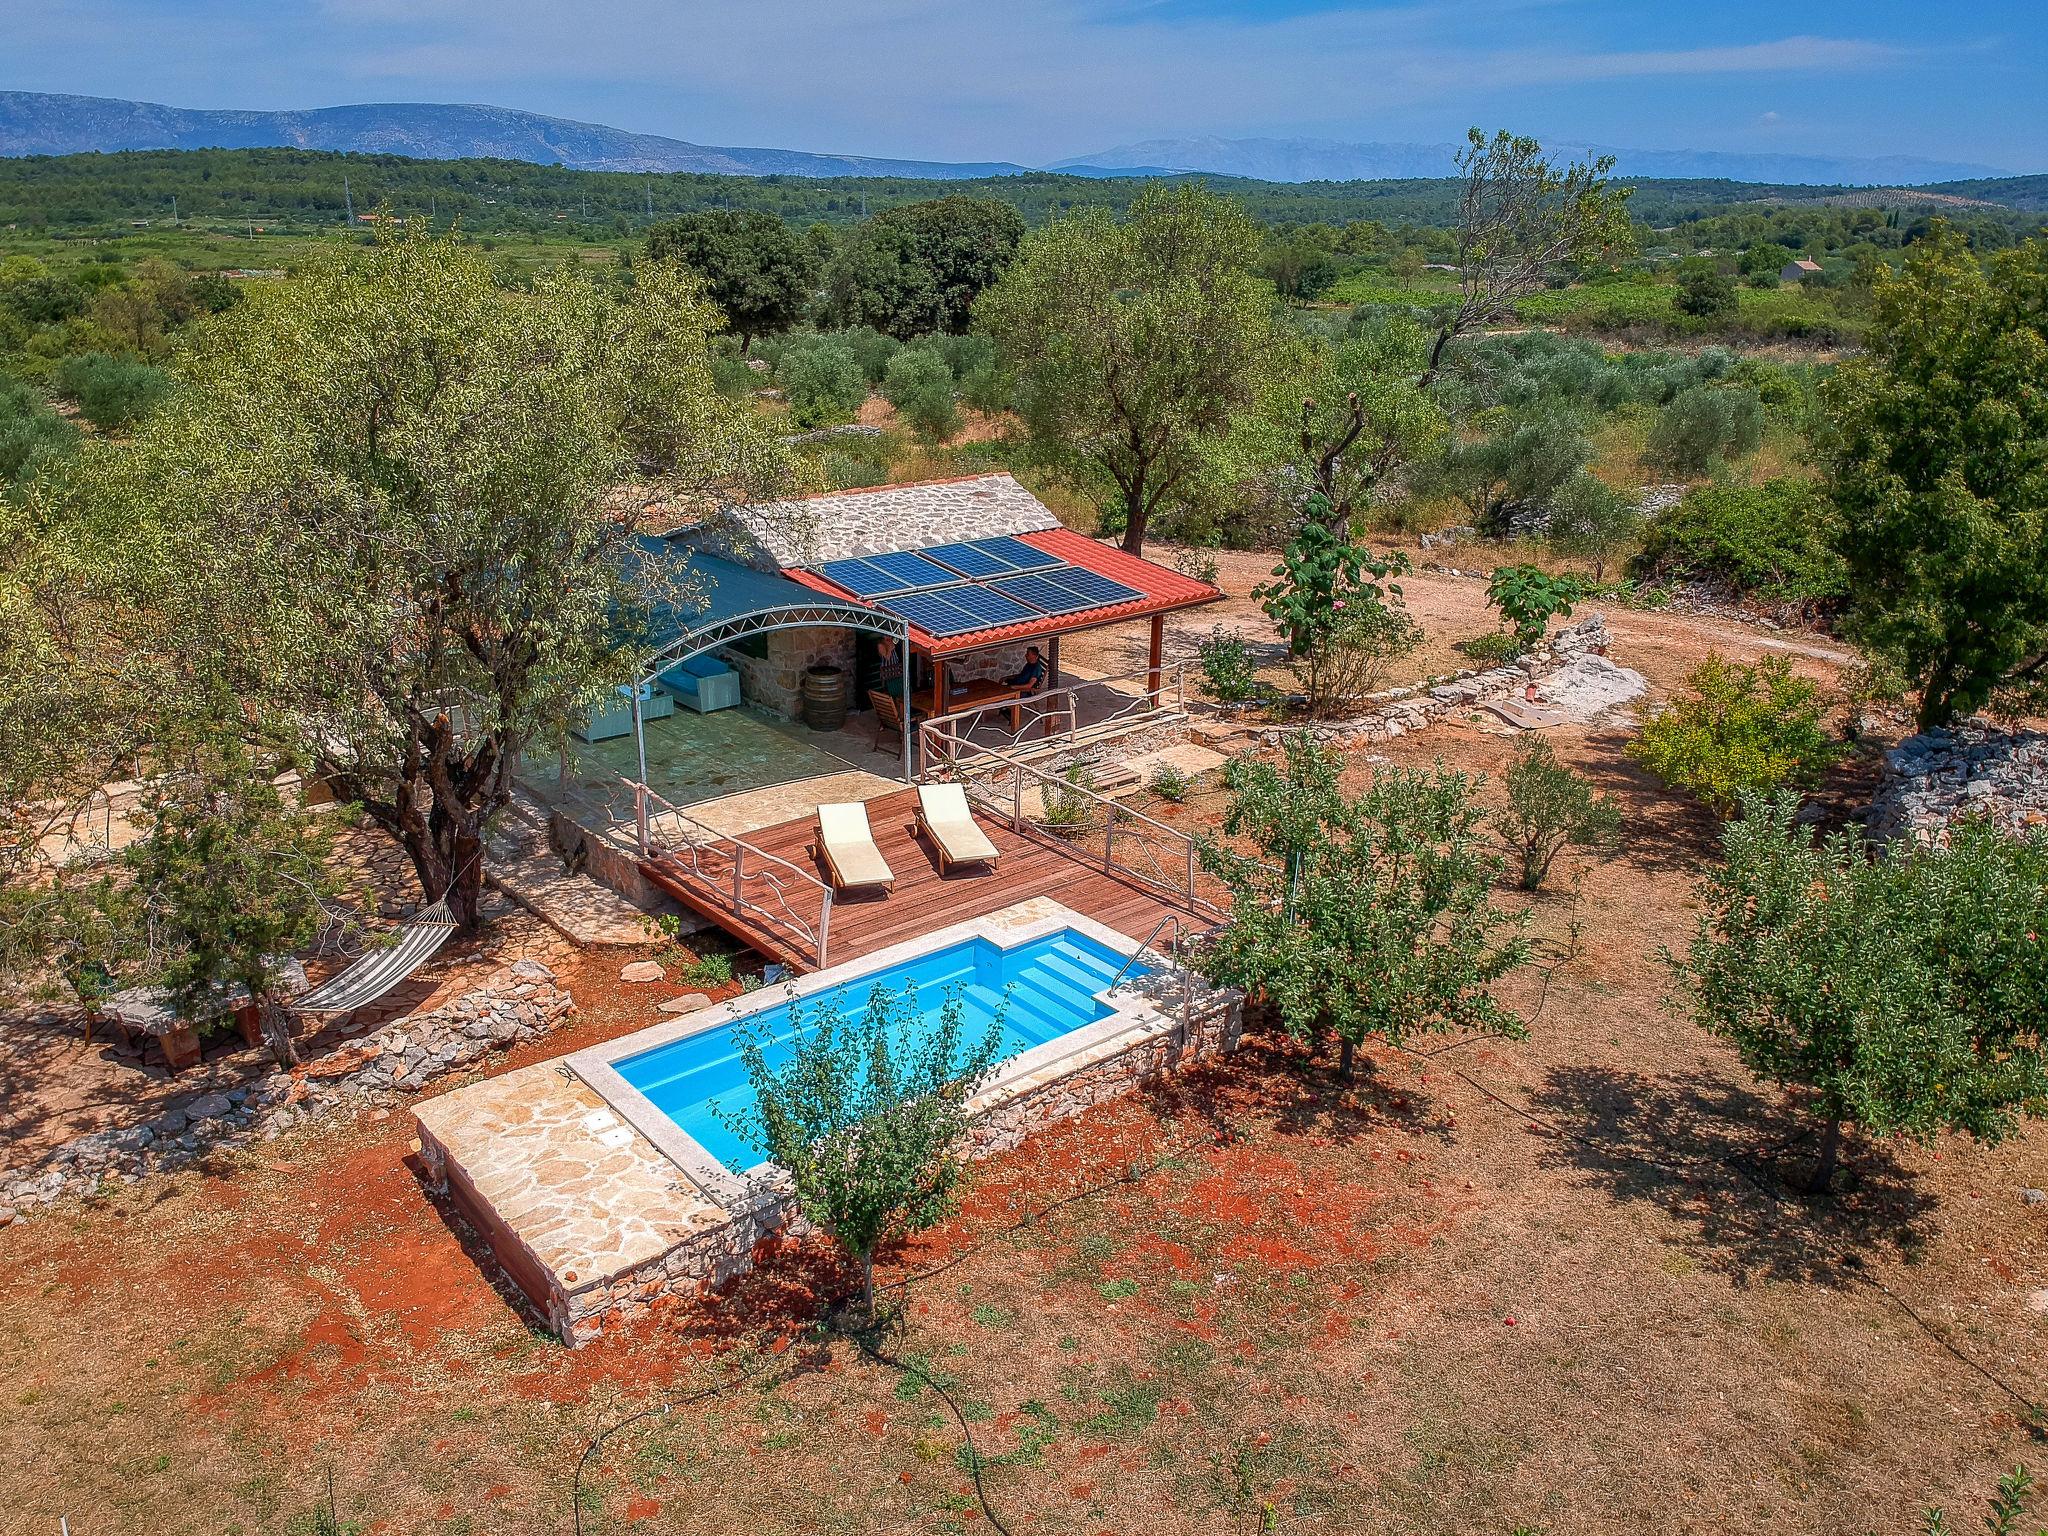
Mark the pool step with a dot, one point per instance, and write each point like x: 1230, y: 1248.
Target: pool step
x: 1089, y: 963
x: 1019, y: 1010
x: 1084, y: 980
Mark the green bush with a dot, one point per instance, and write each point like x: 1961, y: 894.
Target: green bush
x: 1705, y: 292
x: 112, y: 392
x: 920, y: 385
x: 1549, y: 806
x: 712, y: 970
x: 1705, y: 426
x: 1227, y: 669
x: 824, y: 384
x: 1496, y: 649
x: 1774, y: 541
x: 30, y: 432
x: 1590, y: 520
x: 1738, y: 730
x: 1529, y: 598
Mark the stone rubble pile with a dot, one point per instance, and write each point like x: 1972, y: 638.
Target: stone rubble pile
x: 1940, y: 777
x: 1571, y: 662
x: 520, y: 1003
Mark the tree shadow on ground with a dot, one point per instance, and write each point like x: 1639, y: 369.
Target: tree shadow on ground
x: 1662, y: 830
x: 1274, y: 1083
x: 1721, y: 1159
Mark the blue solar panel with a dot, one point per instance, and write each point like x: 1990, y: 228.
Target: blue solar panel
x: 1041, y: 593
x: 971, y: 560
x: 988, y: 607
x: 931, y: 612
x: 993, y: 557
x: 1098, y: 589
x: 863, y: 578
x: 911, y: 569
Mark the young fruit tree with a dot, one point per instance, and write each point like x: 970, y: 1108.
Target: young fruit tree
x: 1529, y: 598
x: 1342, y: 617
x: 1736, y: 730
x: 1363, y: 917
x: 865, y: 1115
x: 1135, y: 344
x: 1935, y: 464
x: 385, y: 502
x: 1549, y: 808
x: 1902, y: 995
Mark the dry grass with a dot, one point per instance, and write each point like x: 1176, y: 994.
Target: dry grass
x: 1558, y: 1286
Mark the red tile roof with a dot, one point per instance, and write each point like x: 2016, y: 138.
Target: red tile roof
x: 1161, y: 590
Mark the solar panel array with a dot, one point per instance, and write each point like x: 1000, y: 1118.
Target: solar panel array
x: 954, y: 589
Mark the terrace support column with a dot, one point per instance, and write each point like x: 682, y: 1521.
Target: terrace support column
x: 1156, y: 658
x: 938, y: 685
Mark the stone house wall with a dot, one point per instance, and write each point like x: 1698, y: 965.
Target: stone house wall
x: 775, y: 682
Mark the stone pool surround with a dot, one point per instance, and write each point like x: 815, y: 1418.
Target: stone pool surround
x: 596, y: 1203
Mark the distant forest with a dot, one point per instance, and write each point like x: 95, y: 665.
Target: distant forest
x: 299, y: 189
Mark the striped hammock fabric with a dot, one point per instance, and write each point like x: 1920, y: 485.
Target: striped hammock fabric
x: 376, y: 973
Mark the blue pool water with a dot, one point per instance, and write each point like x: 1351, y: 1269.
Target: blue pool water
x: 1042, y: 989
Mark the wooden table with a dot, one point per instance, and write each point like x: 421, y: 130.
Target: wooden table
x: 982, y: 691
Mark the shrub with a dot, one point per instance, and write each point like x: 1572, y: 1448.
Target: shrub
x: 1590, y: 520
x: 1170, y: 783
x: 1738, y: 729
x: 865, y: 1115
x: 920, y: 385
x: 1494, y: 649
x: 713, y: 970
x: 1227, y: 669
x: 824, y: 384
x: 989, y: 390
x: 1903, y: 993
x: 1528, y: 599
x: 1353, y: 655
x: 30, y: 432
x: 112, y: 392
x: 1705, y: 426
x: 1774, y: 541
x: 1549, y: 806
x: 1068, y: 802
x: 1528, y: 462
x: 1705, y: 292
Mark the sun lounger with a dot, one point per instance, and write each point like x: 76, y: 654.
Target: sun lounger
x: 848, y: 849
x: 943, y: 812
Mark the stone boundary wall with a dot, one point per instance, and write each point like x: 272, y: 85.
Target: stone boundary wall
x: 1402, y: 710
x: 1940, y: 777
x: 720, y: 1253
x: 520, y: 1003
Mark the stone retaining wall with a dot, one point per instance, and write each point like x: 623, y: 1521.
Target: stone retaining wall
x: 1401, y: 710
x: 520, y: 1003
x: 1940, y: 777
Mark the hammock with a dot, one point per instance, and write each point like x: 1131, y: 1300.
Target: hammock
x: 419, y: 937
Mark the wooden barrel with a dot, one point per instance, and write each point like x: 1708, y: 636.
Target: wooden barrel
x: 824, y: 698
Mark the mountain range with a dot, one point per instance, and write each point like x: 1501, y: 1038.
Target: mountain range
x: 36, y: 123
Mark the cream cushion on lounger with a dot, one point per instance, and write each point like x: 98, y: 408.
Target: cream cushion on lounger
x: 950, y: 824
x: 849, y: 848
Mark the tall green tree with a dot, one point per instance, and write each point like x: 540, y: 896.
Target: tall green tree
x: 384, y: 504
x: 1367, y: 916
x: 1902, y: 995
x: 1937, y: 459
x: 1135, y: 343
x: 754, y: 267
x: 919, y: 267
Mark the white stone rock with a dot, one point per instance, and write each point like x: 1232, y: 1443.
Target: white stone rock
x: 640, y: 971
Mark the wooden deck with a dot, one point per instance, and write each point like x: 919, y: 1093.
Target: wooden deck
x: 922, y: 902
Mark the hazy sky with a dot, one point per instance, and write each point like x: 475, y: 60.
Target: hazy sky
x: 1036, y: 80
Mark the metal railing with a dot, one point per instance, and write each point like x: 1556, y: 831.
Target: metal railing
x: 755, y: 882
x: 1094, y: 827
x: 1083, y: 713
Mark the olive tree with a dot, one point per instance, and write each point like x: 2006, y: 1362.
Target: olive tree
x: 1135, y: 343
x: 385, y: 503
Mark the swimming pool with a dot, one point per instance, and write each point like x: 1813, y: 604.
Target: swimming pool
x: 1039, y: 989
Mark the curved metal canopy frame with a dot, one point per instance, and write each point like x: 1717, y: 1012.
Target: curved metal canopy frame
x: 821, y: 614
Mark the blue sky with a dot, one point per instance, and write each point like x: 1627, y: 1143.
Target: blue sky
x: 1037, y: 80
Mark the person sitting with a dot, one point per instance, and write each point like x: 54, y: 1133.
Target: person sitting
x: 1031, y: 676
x: 890, y: 670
